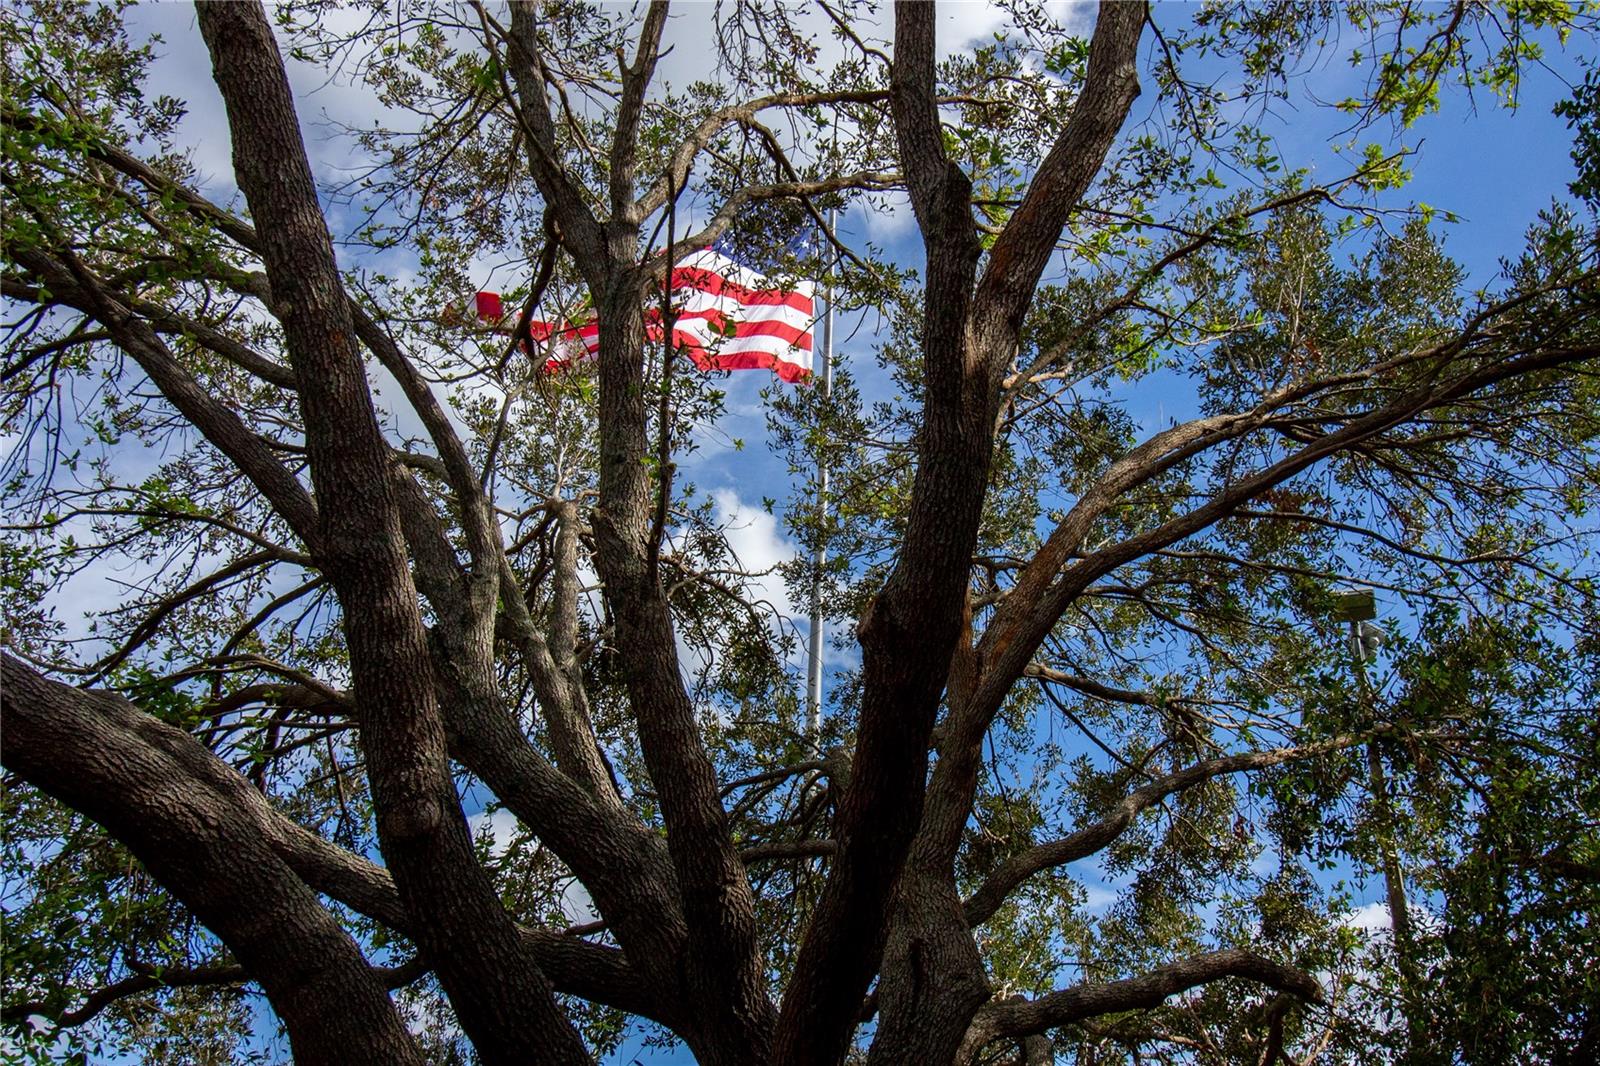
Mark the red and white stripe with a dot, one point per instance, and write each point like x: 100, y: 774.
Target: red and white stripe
x: 726, y: 317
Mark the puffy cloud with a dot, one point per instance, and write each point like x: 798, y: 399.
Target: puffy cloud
x: 1369, y: 917
x: 498, y: 826
x: 577, y: 906
x: 754, y: 538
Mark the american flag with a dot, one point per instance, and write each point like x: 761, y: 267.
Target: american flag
x: 727, y: 316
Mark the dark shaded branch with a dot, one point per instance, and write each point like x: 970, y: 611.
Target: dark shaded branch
x: 789, y: 849
x: 677, y: 172
x: 1110, y: 85
x: 910, y: 630
x: 1015, y: 1019
x: 916, y: 115
x: 185, y: 815
x: 625, y: 134
x: 580, y: 230
x: 71, y: 284
x: 1090, y: 687
x: 163, y: 610
x: 101, y: 998
x: 623, y: 865
x: 1560, y: 863
x: 477, y: 517
x: 504, y: 1002
x: 772, y: 775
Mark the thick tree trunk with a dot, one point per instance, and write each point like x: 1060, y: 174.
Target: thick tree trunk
x: 727, y: 1014
x: 909, y: 631
x: 185, y: 815
x: 624, y: 866
x: 504, y: 1002
x: 932, y: 947
x: 679, y: 902
x: 933, y: 981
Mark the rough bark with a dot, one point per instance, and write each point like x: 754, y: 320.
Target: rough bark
x: 727, y: 1015
x: 909, y: 631
x: 933, y: 979
x: 179, y: 810
x: 679, y: 903
x: 1016, y: 1019
x: 933, y: 975
x: 723, y: 973
x: 503, y: 1000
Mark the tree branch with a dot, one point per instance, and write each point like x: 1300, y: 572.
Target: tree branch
x: 625, y: 134
x: 504, y: 1001
x: 1110, y: 86
x: 205, y: 586
x: 910, y: 630
x: 788, y: 849
x: 101, y: 998
x: 71, y: 283
x: 579, y: 228
x: 983, y: 903
x: 677, y: 171
x: 1015, y: 1019
x: 135, y: 776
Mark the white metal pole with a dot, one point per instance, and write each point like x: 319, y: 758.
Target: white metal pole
x: 820, y: 556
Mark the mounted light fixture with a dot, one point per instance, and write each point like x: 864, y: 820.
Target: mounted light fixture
x: 1359, y: 608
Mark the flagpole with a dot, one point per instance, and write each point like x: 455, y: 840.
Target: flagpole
x: 819, y: 557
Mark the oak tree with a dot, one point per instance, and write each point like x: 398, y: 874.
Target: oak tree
x: 385, y: 568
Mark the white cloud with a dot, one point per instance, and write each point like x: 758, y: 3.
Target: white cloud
x: 894, y: 222
x: 1097, y: 899
x: 967, y: 23
x: 577, y: 906
x: 758, y: 548
x: 1370, y: 917
x: 1075, y: 16
x: 323, y: 103
x: 754, y: 538
x: 1100, y: 891
x: 182, y: 69
x: 963, y: 23
x: 498, y: 827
